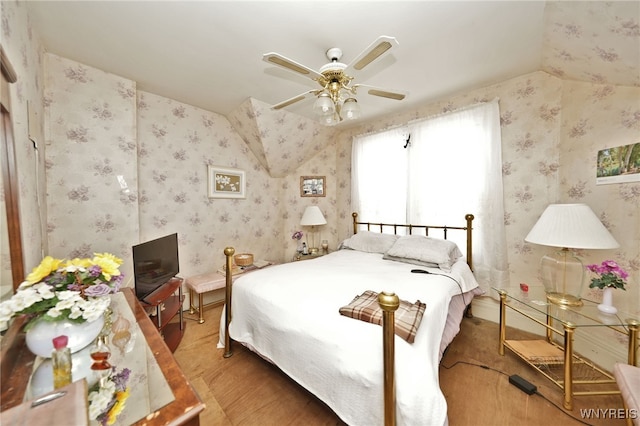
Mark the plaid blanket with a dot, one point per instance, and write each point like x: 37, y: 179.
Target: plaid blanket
x: 365, y: 307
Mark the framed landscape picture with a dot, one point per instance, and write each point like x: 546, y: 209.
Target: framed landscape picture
x: 620, y: 164
x: 312, y: 186
x: 226, y: 182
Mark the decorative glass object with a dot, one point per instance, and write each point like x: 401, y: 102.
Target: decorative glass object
x: 562, y: 277
x: 100, y: 353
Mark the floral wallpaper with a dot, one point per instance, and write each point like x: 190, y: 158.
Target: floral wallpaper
x: 176, y: 143
x: 593, y: 41
x: 90, y: 138
x: 93, y: 127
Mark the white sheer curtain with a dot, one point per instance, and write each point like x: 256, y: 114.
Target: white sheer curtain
x: 455, y: 167
x: 379, y: 176
x: 452, y: 167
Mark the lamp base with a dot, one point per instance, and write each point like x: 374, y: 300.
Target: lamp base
x: 562, y: 274
x: 313, y: 250
x: 564, y: 299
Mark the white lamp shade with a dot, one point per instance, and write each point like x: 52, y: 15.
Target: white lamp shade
x: 571, y: 226
x: 312, y: 216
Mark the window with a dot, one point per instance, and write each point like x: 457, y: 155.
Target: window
x: 452, y: 166
x: 379, y: 176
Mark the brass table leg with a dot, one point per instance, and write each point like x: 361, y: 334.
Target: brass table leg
x: 503, y: 326
x: 200, y: 308
x: 191, y: 307
x: 568, y: 366
x: 634, y: 326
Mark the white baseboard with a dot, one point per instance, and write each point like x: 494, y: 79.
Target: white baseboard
x: 602, y: 346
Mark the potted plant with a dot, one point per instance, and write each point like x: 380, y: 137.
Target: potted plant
x: 609, y: 276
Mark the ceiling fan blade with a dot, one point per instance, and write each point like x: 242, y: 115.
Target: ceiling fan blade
x: 376, y: 91
x: 378, y: 48
x: 295, y: 99
x: 281, y: 61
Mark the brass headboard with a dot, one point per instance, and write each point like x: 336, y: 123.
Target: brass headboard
x: 381, y: 226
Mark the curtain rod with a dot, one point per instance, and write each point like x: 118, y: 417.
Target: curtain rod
x: 417, y: 120
x: 464, y: 108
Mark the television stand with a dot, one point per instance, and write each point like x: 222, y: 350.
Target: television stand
x: 167, y: 304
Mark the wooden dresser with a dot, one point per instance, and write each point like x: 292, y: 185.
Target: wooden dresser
x: 16, y: 362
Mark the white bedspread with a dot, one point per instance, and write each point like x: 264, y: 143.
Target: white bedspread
x: 294, y: 322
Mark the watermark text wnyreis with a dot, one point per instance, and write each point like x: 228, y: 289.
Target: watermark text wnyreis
x: 608, y: 413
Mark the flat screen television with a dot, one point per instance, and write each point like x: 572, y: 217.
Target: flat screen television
x: 154, y: 263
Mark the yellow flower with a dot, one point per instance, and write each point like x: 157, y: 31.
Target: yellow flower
x: 108, y: 263
x: 121, y: 397
x: 108, y: 256
x: 47, y: 266
x: 78, y: 263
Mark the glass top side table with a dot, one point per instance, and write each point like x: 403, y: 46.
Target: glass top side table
x: 542, y: 354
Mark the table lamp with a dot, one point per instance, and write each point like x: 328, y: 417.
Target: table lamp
x: 312, y: 217
x: 568, y: 226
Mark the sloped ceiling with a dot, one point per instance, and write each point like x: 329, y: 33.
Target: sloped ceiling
x: 267, y: 133
x: 209, y: 53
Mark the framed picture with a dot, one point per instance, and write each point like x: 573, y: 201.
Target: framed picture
x: 312, y: 186
x: 226, y: 183
x: 620, y: 164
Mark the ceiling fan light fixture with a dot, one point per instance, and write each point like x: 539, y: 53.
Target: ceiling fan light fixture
x: 324, y: 105
x: 350, y: 109
x: 330, y: 120
x: 335, y: 99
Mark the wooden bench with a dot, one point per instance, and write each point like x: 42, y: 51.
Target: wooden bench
x: 200, y: 284
x: 203, y: 283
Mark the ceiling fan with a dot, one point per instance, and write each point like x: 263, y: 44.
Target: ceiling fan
x: 335, y: 99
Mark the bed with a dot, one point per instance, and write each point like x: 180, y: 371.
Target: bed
x: 289, y: 314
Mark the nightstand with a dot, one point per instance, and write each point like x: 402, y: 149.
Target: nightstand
x: 556, y: 360
x: 297, y: 256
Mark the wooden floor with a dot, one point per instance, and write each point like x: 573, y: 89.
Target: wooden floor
x: 246, y: 390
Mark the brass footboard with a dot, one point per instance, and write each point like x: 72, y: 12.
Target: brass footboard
x: 389, y: 303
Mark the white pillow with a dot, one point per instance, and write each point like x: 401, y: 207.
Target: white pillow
x: 370, y: 242
x: 425, y: 249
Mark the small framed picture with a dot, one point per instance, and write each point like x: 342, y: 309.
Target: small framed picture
x: 312, y: 186
x: 226, y: 183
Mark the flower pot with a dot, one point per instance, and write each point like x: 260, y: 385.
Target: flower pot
x: 39, y: 338
x: 607, y: 301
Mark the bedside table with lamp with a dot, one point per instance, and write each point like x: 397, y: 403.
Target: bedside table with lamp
x: 567, y: 227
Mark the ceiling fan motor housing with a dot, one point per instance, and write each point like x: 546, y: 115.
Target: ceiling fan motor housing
x: 334, y: 54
